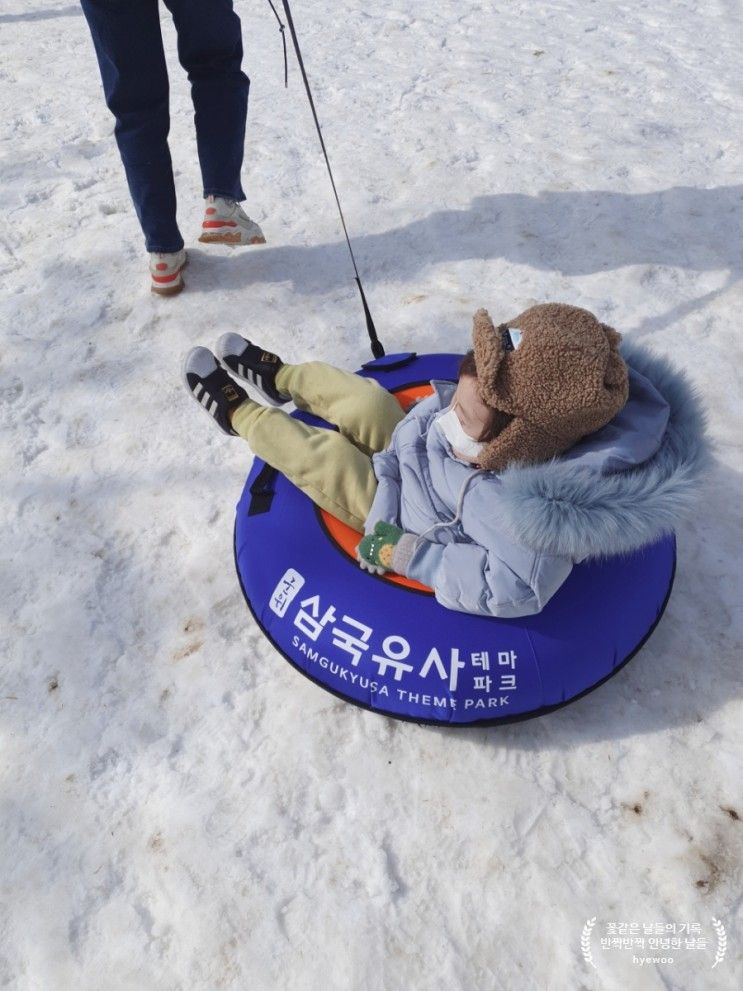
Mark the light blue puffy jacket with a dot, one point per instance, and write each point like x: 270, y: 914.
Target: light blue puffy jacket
x: 502, y: 544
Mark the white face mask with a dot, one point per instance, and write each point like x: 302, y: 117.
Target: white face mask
x: 459, y: 440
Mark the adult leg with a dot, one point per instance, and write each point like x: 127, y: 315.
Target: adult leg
x: 128, y: 43
x: 324, y: 464
x: 210, y: 50
x: 363, y: 410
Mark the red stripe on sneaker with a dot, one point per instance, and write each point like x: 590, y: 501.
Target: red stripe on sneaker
x: 166, y: 278
x: 219, y: 223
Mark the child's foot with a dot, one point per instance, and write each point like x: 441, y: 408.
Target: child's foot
x: 253, y: 364
x: 165, y: 272
x: 211, y: 387
x: 225, y: 222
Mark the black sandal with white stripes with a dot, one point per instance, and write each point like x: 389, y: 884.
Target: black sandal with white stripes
x: 212, y: 387
x: 254, y: 365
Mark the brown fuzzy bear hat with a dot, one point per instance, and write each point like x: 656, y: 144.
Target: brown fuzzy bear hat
x: 564, y: 380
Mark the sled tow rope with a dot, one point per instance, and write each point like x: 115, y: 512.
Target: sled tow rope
x: 376, y: 344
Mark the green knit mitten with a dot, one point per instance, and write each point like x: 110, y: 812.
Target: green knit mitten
x: 376, y: 549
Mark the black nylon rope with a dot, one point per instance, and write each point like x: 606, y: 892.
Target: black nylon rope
x: 282, y: 28
x: 376, y: 344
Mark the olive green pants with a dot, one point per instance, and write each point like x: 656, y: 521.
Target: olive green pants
x: 333, y: 468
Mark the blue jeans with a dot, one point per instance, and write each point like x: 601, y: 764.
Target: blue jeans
x: 128, y: 43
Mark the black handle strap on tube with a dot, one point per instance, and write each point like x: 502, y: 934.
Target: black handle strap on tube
x: 262, y: 491
x: 376, y: 344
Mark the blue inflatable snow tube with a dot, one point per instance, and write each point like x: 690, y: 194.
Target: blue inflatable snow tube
x: 393, y: 648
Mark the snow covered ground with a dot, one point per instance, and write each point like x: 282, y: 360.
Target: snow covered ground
x: 182, y: 811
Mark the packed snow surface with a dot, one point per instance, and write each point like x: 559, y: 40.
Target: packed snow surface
x: 181, y: 810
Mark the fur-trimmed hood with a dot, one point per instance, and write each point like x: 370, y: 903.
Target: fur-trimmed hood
x: 585, y: 505
x: 502, y: 543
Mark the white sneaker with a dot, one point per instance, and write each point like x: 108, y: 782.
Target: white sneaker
x: 225, y: 222
x: 165, y: 272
